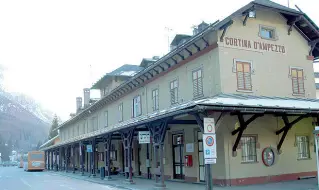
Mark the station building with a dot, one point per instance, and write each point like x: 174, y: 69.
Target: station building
x: 252, y: 72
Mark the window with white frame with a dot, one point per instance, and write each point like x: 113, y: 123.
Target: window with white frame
x: 155, y: 99
x: 197, y: 83
x: 120, y: 109
x: 297, y: 78
x: 137, y: 109
x: 174, y: 91
x: 248, y: 148
x: 106, y: 118
x: 267, y: 32
x: 303, y: 147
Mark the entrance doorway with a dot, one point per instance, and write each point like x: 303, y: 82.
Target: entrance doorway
x: 201, y: 164
x: 178, y: 156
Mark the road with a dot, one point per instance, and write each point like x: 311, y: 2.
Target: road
x: 13, y: 178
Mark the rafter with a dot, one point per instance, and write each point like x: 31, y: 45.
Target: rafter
x: 189, y: 52
x: 205, y: 41
x: 196, y: 46
x: 181, y: 56
x: 292, y: 22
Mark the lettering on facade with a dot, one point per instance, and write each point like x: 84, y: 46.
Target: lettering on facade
x: 254, y: 45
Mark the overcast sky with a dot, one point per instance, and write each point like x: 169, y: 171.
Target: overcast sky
x: 53, y: 49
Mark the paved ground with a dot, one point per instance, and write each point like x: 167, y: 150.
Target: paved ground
x: 13, y: 178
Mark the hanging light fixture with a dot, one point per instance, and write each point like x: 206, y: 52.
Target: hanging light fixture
x: 252, y: 14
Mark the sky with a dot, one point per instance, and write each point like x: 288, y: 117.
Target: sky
x: 51, y: 50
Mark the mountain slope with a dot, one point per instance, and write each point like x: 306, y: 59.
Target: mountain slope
x: 21, y: 121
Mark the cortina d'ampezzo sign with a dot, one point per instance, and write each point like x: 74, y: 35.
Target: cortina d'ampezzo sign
x: 254, y: 45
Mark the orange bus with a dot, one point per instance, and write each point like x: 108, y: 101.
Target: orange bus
x: 35, y: 162
x: 23, y: 159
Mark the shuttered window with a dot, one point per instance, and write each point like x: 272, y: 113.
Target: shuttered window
x: 197, y: 83
x: 106, y: 118
x: 120, y: 112
x: 243, y: 70
x: 174, y: 91
x: 137, y: 108
x: 155, y: 99
x: 303, y: 147
x: 297, y: 78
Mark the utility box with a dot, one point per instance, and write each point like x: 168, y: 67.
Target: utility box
x: 102, y: 172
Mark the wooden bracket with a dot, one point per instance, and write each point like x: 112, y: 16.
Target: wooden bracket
x: 292, y: 23
x: 287, y: 127
x: 243, y: 125
x: 224, y: 28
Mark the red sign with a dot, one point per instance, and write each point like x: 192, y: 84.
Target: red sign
x: 210, y: 141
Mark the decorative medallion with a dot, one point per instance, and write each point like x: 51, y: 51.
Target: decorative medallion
x: 268, y: 157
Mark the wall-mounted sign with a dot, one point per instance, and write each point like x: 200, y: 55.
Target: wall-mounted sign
x: 268, y: 157
x: 209, y: 143
x: 209, y: 125
x: 144, y: 137
x: 254, y: 45
x: 190, y: 147
x: 89, y: 148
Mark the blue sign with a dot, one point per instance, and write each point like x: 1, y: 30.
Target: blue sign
x: 207, y: 152
x: 89, y: 148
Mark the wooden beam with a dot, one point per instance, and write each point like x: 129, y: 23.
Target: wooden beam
x: 287, y: 127
x: 189, y: 52
x: 243, y: 125
x: 224, y: 28
x: 181, y: 56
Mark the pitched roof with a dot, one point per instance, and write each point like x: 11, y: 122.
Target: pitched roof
x: 178, y: 38
x: 124, y: 71
x: 272, y: 4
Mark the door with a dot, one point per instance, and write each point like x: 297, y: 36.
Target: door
x: 201, y: 162
x: 178, y: 156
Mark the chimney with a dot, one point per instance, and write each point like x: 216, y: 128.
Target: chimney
x: 86, y: 96
x: 78, y: 104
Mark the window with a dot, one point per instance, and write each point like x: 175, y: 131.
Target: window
x: 101, y: 156
x: 106, y: 117
x: 113, y: 153
x: 297, y: 78
x: 303, y: 147
x: 174, y: 91
x: 267, y: 33
x: 137, y: 109
x: 120, y: 112
x: 243, y: 70
x: 197, y: 83
x: 155, y: 100
x: 248, y: 149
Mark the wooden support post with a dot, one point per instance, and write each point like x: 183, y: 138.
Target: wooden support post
x: 158, y: 132
x: 60, y: 159
x: 52, y: 165
x: 56, y: 165
x: 66, y: 158
x: 81, y: 156
x: 108, y: 144
x: 127, y: 137
x: 73, y: 157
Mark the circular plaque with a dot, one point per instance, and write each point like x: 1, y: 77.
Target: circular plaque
x: 268, y: 157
